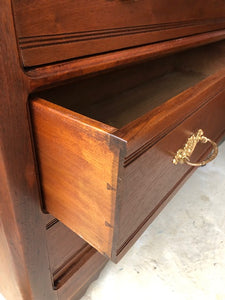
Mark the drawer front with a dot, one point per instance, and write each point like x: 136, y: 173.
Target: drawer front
x: 50, y: 31
x: 108, y: 185
x: 152, y: 178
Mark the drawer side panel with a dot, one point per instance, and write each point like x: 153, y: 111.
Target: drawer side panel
x: 78, y: 165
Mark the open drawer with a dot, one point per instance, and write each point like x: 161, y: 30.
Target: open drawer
x: 105, y: 145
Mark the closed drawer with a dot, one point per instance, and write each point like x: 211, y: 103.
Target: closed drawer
x: 50, y: 31
x: 106, y: 164
x: 69, y: 257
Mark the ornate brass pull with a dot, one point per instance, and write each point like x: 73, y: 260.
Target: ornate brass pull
x: 183, y: 155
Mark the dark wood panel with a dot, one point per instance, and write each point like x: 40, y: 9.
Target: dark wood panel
x: 54, y: 31
x: 24, y: 261
x: 152, y: 177
x: 150, y: 218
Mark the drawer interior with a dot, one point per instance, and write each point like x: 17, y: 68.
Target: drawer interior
x: 120, y: 97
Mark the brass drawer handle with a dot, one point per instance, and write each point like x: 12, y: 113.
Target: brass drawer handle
x: 183, y: 155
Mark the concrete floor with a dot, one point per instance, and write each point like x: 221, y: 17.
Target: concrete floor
x: 181, y: 256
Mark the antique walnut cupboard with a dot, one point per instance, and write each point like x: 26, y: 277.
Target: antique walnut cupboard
x: 96, y: 98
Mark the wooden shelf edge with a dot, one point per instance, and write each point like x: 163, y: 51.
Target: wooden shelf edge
x: 55, y: 74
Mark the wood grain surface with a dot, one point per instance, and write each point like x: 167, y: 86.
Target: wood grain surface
x: 24, y: 258
x: 54, y: 31
x: 23, y: 255
x: 89, y: 151
x: 120, y: 166
x: 56, y: 74
x: 91, y: 165
x: 152, y: 177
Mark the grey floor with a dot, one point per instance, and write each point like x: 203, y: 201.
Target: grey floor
x: 181, y: 256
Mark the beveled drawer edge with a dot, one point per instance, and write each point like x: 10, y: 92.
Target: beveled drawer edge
x: 208, y: 88
x: 71, y: 116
